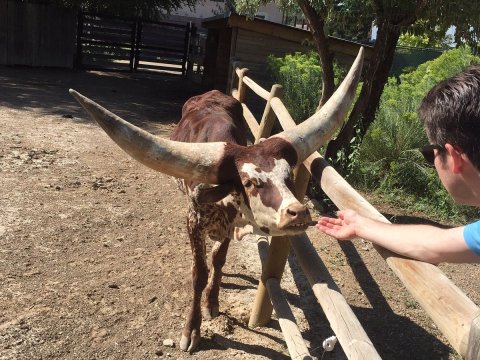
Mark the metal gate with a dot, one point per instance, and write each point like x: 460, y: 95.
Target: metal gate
x: 113, y: 43
x: 162, y: 46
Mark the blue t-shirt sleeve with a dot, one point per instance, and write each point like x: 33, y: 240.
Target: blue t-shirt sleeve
x: 471, y: 234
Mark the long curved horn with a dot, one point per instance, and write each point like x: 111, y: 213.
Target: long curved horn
x: 309, y: 135
x: 195, y: 161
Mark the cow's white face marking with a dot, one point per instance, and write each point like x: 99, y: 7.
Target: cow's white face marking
x: 272, y: 185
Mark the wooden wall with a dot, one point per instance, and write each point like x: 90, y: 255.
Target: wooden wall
x: 252, y: 50
x: 238, y: 41
x: 36, y: 34
x: 3, y: 31
x: 217, y: 58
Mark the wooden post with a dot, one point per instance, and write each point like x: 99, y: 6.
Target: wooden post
x: 191, y: 52
x: 138, y: 41
x: 293, y: 337
x: 232, y: 77
x: 242, y: 88
x: 473, y: 351
x: 78, y: 60
x: 295, y: 343
x: 302, y: 178
x: 186, y: 47
x: 277, y: 258
x: 132, y: 45
x: 279, y: 246
x: 268, y: 118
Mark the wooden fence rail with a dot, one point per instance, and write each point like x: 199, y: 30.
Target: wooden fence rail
x: 295, y: 343
x: 456, y: 316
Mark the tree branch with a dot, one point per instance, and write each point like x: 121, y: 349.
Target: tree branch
x: 316, y: 22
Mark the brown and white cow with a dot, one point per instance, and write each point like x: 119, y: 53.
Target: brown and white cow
x: 229, y: 184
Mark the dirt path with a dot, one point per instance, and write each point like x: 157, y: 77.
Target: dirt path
x: 94, y: 257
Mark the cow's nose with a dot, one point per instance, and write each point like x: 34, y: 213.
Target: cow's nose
x: 297, y: 211
x: 295, y: 214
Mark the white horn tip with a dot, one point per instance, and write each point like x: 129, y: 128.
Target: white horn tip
x: 75, y: 94
x: 83, y: 100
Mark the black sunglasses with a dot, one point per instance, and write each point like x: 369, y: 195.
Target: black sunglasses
x: 429, y: 154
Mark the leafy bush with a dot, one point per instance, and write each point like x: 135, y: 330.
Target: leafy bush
x: 301, y: 77
x: 388, y: 159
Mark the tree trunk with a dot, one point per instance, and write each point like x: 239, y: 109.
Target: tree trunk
x: 363, y: 112
x: 317, y: 23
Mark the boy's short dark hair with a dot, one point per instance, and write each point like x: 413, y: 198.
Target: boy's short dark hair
x: 451, y: 113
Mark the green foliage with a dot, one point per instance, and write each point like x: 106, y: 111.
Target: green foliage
x: 351, y: 19
x: 347, y: 164
x: 388, y: 159
x: 301, y: 77
x: 439, y: 16
x: 247, y: 8
x: 425, y: 41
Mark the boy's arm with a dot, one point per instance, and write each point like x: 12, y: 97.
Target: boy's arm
x: 422, y: 242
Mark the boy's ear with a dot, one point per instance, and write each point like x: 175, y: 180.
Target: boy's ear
x: 456, y: 158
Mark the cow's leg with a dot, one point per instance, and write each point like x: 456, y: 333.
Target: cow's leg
x: 219, y: 254
x: 191, y: 331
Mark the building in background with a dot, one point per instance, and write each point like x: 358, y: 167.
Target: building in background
x: 211, y: 8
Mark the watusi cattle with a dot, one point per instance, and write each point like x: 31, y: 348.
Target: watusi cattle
x: 229, y: 185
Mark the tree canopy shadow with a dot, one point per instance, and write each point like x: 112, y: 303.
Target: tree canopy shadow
x: 141, y: 98
x: 394, y: 336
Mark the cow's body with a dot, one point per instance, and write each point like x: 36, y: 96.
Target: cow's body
x: 229, y: 184
x: 211, y: 117
x: 215, y: 117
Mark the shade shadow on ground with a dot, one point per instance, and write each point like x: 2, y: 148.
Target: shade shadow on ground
x: 122, y: 93
x: 394, y: 336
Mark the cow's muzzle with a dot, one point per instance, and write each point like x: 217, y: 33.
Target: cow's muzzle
x: 295, y: 216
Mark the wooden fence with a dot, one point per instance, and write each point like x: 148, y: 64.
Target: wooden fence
x: 105, y: 42
x: 42, y: 34
x: 36, y: 34
x: 117, y: 43
x: 456, y: 316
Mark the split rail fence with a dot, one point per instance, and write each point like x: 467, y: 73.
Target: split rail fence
x: 455, y: 315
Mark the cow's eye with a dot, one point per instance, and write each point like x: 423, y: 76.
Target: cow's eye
x: 253, y: 183
x: 248, y: 183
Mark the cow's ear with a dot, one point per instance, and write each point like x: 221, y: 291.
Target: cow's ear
x: 214, y: 194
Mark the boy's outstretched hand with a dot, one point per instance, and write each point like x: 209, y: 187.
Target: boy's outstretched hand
x: 342, y: 228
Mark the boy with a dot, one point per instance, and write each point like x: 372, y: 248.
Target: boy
x: 451, y: 114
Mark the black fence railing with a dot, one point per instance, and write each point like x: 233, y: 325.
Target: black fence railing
x: 113, y: 43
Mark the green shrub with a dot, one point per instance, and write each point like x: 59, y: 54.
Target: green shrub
x: 301, y: 77
x: 388, y: 159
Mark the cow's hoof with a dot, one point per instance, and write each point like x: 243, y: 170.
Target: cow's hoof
x: 209, y: 313
x: 190, y: 343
